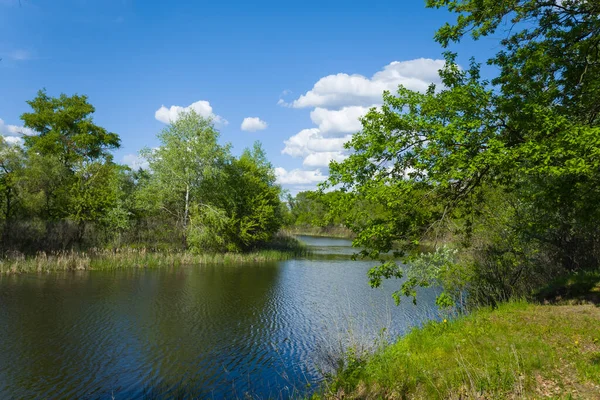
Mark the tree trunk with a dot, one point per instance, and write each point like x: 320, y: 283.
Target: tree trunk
x: 186, y: 213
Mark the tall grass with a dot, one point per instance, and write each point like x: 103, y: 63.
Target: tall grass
x: 520, y: 350
x: 103, y: 259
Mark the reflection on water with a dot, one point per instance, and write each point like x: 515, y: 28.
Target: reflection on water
x: 214, y: 331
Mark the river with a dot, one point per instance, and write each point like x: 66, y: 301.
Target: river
x: 264, y: 330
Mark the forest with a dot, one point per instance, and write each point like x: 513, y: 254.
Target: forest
x: 63, y: 191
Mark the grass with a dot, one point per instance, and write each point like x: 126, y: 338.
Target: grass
x: 520, y: 350
x: 281, y: 248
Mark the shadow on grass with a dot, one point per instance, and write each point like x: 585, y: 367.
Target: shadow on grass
x: 582, y: 287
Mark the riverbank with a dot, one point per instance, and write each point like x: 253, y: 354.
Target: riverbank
x: 329, y: 231
x: 520, y: 350
x: 282, y: 248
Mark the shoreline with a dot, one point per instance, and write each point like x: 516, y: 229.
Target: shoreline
x: 546, y: 347
x: 338, y: 233
x: 104, y: 259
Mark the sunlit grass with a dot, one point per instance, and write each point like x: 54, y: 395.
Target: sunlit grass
x: 520, y: 350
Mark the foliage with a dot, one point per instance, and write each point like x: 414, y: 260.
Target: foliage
x: 65, y: 129
x: 62, y: 191
x: 253, y: 198
x: 438, y: 161
x: 182, y: 167
x: 330, y: 213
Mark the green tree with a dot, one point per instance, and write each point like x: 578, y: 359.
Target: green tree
x: 66, y: 129
x: 188, y: 159
x: 12, y: 159
x: 438, y: 160
x: 254, y: 198
x: 69, y: 173
x: 94, y: 194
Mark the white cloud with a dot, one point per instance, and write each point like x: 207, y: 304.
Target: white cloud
x: 12, y: 133
x: 134, y: 161
x: 202, y: 107
x: 14, y: 130
x: 299, y: 177
x: 13, y: 140
x: 309, y: 141
x: 344, y: 120
x: 253, y: 124
x: 343, y: 89
x: 323, y: 159
x: 338, y: 102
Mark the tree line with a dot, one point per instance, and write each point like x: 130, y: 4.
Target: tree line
x: 62, y: 188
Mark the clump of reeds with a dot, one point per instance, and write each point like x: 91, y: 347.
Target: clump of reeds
x: 103, y: 259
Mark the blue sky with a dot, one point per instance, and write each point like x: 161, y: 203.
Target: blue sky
x: 233, y: 59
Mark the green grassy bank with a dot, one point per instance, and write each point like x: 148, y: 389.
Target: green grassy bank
x: 520, y: 350
x: 282, y: 248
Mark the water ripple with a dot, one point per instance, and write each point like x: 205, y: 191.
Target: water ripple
x: 210, y: 331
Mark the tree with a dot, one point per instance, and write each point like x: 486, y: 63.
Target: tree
x: 68, y: 177
x: 93, y: 194
x: 254, y: 198
x: 66, y: 129
x: 438, y: 160
x: 11, y: 167
x: 188, y: 158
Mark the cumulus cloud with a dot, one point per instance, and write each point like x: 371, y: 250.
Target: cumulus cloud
x: 135, y: 161
x: 202, y: 107
x: 14, y: 130
x: 342, y: 89
x: 338, y: 102
x: 12, y: 133
x: 299, y: 176
x: 253, y: 124
x: 344, y: 120
x: 323, y: 159
x: 309, y: 141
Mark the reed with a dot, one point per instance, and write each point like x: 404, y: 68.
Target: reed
x: 105, y: 259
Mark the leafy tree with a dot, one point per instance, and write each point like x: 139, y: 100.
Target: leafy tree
x: 254, y: 197
x: 69, y: 174
x: 66, y: 129
x: 530, y: 136
x: 188, y: 159
x: 94, y: 194
x: 11, y: 166
x: 47, y: 183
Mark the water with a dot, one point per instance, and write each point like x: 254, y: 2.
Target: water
x: 211, y: 331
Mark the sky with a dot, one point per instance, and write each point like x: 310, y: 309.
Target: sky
x: 294, y: 75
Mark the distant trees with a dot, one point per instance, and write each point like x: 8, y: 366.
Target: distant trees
x: 63, y: 190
